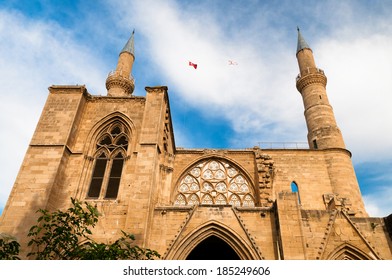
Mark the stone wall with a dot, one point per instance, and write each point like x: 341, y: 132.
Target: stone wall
x: 325, y: 219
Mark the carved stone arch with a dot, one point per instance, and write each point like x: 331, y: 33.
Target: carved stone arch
x: 181, y: 200
x: 112, y: 118
x: 104, y: 137
x: 101, y: 150
x: 120, y: 137
x: 207, y: 159
x: 100, y: 130
x: 235, y: 200
x: 184, y: 247
x: 348, y: 252
x: 218, y: 157
x: 117, y: 151
x: 115, y: 127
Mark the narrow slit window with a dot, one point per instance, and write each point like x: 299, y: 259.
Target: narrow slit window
x: 294, y: 189
x: 315, y: 144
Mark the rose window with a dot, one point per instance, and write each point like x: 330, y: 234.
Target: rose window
x: 214, y: 182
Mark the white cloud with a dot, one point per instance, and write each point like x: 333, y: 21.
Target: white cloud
x: 359, y: 72
x: 379, y: 202
x: 35, y: 54
x: 258, y: 96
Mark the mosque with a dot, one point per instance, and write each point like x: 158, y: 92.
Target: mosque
x: 118, y: 152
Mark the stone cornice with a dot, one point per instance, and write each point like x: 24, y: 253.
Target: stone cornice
x: 171, y: 208
x: 337, y: 150
x: 156, y: 89
x: 217, y: 152
x: 114, y: 99
x: 66, y: 89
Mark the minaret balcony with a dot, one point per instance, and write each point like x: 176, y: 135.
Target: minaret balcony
x: 310, y: 70
x: 120, y: 73
x: 309, y: 77
x: 115, y: 80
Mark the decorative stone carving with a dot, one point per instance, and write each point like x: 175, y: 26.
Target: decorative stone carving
x: 214, y: 182
x: 214, y: 151
x: 156, y: 89
x: 165, y: 168
x: 333, y: 201
x: 266, y: 171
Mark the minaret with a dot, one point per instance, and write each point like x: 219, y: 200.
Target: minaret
x: 120, y: 82
x: 323, y: 132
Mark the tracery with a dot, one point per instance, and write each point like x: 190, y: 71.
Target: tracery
x: 214, y: 182
x: 111, y: 149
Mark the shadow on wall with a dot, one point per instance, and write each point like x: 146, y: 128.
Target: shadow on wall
x: 388, y: 224
x: 25, y: 222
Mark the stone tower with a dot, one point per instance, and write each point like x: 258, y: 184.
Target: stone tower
x: 120, y: 81
x: 323, y: 131
x: 118, y: 153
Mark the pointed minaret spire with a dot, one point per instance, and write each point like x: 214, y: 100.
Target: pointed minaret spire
x: 120, y: 82
x: 130, y: 45
x: 301, y: 42
x: 304, y: 55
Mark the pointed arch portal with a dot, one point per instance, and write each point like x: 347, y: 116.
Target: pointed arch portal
x: 348, y: 252
x: 212, y: 241
x: 213, y: 248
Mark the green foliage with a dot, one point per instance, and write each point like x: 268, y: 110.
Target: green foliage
x: 58, y: 234
x: 9, y: 248
x: 66, y: 236
x: 121, y: 249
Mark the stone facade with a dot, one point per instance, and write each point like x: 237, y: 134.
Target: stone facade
x: 118, y: 152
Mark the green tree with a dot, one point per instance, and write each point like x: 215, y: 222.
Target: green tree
x: 9, y: 247
x: 121, y: 249
x: 66, y: 235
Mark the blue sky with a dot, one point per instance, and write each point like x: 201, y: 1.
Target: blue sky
x: 218, y: 105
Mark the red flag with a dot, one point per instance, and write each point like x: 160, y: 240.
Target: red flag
x: 193, y: 64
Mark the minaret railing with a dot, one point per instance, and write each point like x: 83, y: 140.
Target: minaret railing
x: 310, y: 70
x: 119, y: 73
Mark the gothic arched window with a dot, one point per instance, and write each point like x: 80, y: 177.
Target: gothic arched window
x: 294, y: 189
x: 214, y: 182
x: 111, y: 150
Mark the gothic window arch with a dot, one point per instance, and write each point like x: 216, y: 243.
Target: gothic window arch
x: 214, y: 182
x: 110, y: 154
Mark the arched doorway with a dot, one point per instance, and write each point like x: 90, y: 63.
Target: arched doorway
x: 213, y: 248
x: 215, y: 236
x: 348, y: 252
